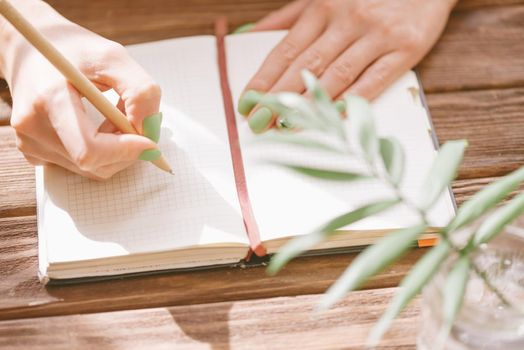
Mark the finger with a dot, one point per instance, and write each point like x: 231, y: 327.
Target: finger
x: 116, y: 148
x: 62, y: 162
x: 86, y: 148
x: 380, y: 75
x: 121, y: 105
x: 315, y: 58
x: 343, y: 72
x: 107, y: 127
x: 283, y: 18
x: 109, y: 171
x: 49, y: 158
x: 34, y: 161
x: 139, y: 93
x: 34, y: 124
x: 305, y: 31
x: 69, y: 119
x: 37, y: 149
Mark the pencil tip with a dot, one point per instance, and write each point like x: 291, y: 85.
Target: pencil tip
x: 171, y: 172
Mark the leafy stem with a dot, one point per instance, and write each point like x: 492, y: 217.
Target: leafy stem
x: 384, y: 159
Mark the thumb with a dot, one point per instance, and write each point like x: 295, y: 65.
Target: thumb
x: 283, y: 18
x: 121, y: 148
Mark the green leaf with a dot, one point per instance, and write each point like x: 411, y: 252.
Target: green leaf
x: 294, y: 107
x: 305, y: 242
x: 323, y: 102
x: 454, y: 289
x: 371, y: 261
x: 494, y: 224
x: 485, y: 199
x: 356, y: 215
x: 393, y: 157
x: 313, y: 86
x: 296, y: 139
x: 442, y: 172
x: 410, y: 286
x: 361, y: 122
x: 325, y: 174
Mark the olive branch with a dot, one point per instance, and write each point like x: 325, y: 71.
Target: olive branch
x: 383, y: 157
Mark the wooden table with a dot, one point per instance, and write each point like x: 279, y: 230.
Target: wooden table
x: 474, y: 80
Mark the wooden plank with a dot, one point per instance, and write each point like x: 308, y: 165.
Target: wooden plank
x: 480, y: 49
x: 256, y: 324
x: 143, y: 20
x: 470, y: 4
x: 17, y: 180
x: 24, y: 296
x: 493, y: 123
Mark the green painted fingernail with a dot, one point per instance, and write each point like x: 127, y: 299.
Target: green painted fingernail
x: 150, y: 154
x: 259, y: 121
x: 247, y: 101
x: 244, y: 28
x: 151, y: 125
x: 340, y: 105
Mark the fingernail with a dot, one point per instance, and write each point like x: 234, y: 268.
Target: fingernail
x: 260, y: 120
x: 150, y: 154
x: 340, y: 105
x: 151, y: 126
x: 244, y: 28
x: 247, y: 101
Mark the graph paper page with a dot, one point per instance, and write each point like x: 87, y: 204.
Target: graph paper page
x: 286, y: 203
x: 143, y: 209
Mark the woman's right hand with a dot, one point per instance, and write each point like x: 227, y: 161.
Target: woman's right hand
x: 51, y: 123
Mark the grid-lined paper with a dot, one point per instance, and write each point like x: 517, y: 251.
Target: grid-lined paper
x: 143, y: 209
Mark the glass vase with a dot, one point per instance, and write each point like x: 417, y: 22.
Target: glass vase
x: 484, y: 321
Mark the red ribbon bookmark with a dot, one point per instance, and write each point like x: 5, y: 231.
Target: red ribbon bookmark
x: 221, y: 30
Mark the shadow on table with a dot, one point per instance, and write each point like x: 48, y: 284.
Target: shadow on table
x: 205, y: 324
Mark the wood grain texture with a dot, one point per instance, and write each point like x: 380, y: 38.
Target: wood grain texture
x: 470, y: 4
x: 24, y: 296
x: 144, y: 20
x: 460, y: 59
x: 480, y: 49
x: 493, y: 123
x: 17, y: 180
x: 277, y: 323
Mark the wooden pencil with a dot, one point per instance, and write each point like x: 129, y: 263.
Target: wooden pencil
x: 72, y: 74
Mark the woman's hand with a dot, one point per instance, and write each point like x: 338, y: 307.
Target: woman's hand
x: 353, y: 46
x: 51, y: 124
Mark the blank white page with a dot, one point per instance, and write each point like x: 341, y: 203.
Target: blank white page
x: 142, y: 209
x: 286, y: 203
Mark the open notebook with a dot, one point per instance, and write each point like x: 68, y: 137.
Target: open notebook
x: 144, y: 220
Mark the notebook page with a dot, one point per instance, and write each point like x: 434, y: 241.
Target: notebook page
x: 286, y: 203
x: 143, y: 209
